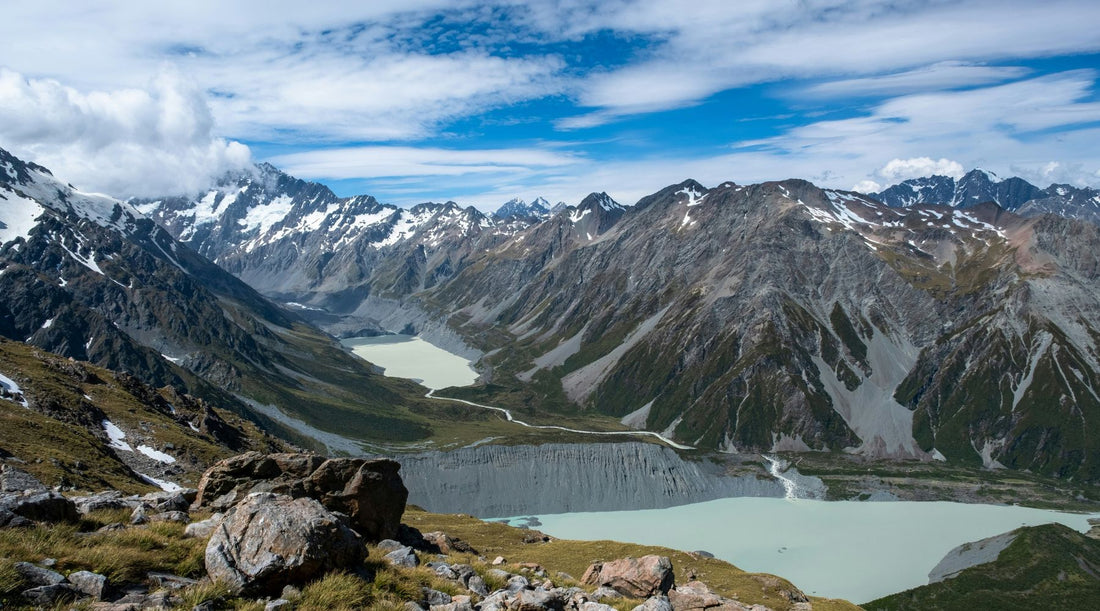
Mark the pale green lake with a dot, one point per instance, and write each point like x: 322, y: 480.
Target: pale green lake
x: 840, y: 549
x: 404, y: 356
x: 859, y: 551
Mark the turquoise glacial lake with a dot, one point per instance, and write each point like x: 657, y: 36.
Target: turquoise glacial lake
x: 859, y: 551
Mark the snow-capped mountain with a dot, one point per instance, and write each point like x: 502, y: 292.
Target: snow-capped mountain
x: 298, y: 242
x: 90, y: 277
x: 519, y: 209
x: 777, y: 316
x: 1014, y: 194
x: 782, y: 316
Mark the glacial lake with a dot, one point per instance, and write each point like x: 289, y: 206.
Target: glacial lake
x: 406, y: 356
x: 859, y: 551
x: 841, y: 549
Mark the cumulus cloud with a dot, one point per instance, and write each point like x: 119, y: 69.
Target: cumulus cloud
x: 897, y: 170
x: 126, y: 142
x: 866, y: 186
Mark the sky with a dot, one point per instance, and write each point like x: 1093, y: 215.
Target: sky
x: 479, y: 102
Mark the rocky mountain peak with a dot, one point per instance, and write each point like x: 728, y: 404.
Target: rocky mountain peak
x: 517, y: 208
x: 601, y: 200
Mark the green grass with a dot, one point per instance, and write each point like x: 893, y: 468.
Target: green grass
x: 60, y: 438
x: 573, y: 557
x: 1047, y: 567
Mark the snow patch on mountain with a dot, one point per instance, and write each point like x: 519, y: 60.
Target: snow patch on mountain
x: 18, y: 215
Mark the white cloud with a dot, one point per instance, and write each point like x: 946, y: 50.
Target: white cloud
x: 897, y: 170
x: 866, y: 186
x: 890, y: 47
x: 127, y: 142
x: 942, y: 75
x: 395, y: 161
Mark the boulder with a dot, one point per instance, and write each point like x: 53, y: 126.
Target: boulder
x: 370, y: 491
x: 35, y: 506
x: 89, y: 583
x: 404, y: 556
x: 655, y: 603
x: 388, y: 545
x: 17, y: 480
x: 432, y: 598
x: 270, y: 540
x: 633, y: 577
x: 110, y: 499
x: 171, y: 516
x: 445, y: 544
x: 537, y: 600
x: 44, y: 597
x: 38, y: 576
x: 203, y: 528
x: 477, y: 585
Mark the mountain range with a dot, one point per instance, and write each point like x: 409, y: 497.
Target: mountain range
x: 740, y: 318
x: 89, y: 277
x: 777, y: 316
x: 1013, y: 194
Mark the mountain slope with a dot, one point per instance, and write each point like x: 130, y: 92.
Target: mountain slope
x: 91, y: 278
x: 755, y: 318
x: 1047, y: 567
x: 299, y: 242
x: 785, y: 317
x: 74, y: 425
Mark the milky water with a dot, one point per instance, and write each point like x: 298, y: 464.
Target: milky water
x: 404, y: 356
x: 858, y: 551
x: 853, y: 550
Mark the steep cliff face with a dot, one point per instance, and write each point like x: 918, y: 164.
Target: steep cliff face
x: 498, y: 481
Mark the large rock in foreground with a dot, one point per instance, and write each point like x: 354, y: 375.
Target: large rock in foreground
x: 268, y: 541
x: 634, y: 577
x: 25, y: 500
x: 368, y: 490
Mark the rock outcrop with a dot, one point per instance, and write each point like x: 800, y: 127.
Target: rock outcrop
x: 269, y: 541
x: 25, y: 500
x: 369, y: 491
x: 634, y: 577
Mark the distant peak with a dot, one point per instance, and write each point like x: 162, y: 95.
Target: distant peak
x: 603, y: 200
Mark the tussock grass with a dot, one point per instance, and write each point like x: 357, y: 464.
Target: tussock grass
x: 336, y: 592
x: 122, y: 556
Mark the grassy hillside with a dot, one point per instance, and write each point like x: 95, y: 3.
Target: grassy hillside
x: 1046, y: 567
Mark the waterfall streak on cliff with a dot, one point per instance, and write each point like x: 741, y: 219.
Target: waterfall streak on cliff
x: 790, y: 488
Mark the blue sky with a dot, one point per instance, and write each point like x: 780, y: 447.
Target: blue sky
x: 480, y: 102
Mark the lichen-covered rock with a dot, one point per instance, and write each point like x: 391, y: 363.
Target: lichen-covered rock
x: 404, y: 556
x: 269, y: 541
x: 633, y: 577
x: 655, y: 603
x: 89, y: 583
x: 38, y: 576
x: 369, y: 491
x: 49, y: 596
x: 203, y: 528
x: 16, y: 508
